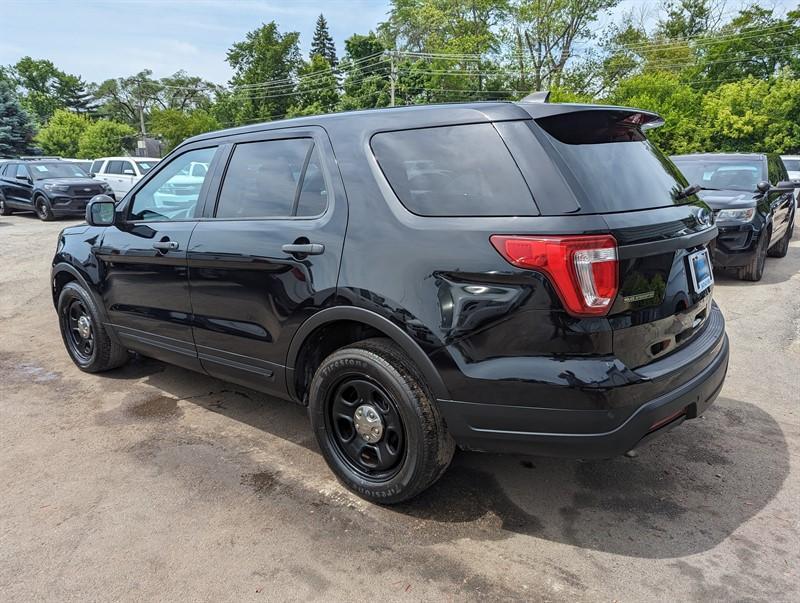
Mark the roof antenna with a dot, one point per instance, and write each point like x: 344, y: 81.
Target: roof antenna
x: 542, y: 96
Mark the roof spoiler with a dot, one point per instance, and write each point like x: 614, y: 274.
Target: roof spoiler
x: 542, y: 96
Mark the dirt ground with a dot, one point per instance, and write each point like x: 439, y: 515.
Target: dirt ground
x: 153, y: 482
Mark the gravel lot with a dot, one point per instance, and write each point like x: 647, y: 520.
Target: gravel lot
x: 153, y: 482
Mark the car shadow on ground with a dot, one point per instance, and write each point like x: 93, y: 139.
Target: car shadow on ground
x: 682, y: 494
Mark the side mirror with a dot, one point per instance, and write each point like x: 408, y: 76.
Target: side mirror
x: 788, y: 185
x: 24, y: 178
x: 763, y: 186
x: 92, y: 174
x: 100, y: 211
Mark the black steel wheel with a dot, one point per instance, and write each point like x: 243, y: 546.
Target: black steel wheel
x: 43, y: 210
x: 377, y: 423
x: 365, y: 427
x: 5, y: 210
x: 88, y: 342
x: 80, y: 337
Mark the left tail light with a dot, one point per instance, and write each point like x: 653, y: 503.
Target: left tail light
x: 583, y: 269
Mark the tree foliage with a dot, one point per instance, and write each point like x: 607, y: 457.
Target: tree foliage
x: 265, y: 55
x: 174, y: 125
x: 322, y: 43
x: 103, y: 138
x: 61, y: 136
x: 16, y: 128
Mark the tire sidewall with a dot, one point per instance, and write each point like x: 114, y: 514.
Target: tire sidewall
x: 354, y: 362
x: 47, y: 213
x: 70, y: 292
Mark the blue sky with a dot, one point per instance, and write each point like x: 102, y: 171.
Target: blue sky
x: 98, y: 39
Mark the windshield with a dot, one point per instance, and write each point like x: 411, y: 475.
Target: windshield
x: 723, y: 173
x: 792, y: 165
x: 145, y: 166
x: 614, y: 165
x: 63, y: 169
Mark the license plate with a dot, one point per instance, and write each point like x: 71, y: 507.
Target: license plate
x: 700, y: 269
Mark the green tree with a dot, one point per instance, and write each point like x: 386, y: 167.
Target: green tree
x: 16, y: 128
x: 265, y: 55
x: 105, y: 137
x: 174, y: 126
x: 684, y: 130
x: 322, y: 43
x: 317, y: 88
x: 62, y: 133
x: 548, y: 31
x: 45, y: 88
x: 366, y: 83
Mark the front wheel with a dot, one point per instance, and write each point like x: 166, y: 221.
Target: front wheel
x: 782, y: 248
x: 43, y: 210
x: 754, y: 270
x: 5, y: 210
x: 84, y: 334
x: 376, y: 422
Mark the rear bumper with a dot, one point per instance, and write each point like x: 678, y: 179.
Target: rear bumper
x: 519, y: 429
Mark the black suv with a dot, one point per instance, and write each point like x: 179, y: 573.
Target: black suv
x: 51, y: 188
x: 753, y: 202
x: 525, y: 277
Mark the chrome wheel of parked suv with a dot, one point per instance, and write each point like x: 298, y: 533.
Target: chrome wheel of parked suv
x: 376, y: 422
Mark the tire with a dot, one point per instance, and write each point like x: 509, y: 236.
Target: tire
x: 91, y: 349
x: 43, y: 210
x: 414, y: 448
x: 755, y: 269
x: 782, y: 248
x: 5, y: 210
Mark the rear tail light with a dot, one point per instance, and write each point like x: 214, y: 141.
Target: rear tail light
x: 583, y: 269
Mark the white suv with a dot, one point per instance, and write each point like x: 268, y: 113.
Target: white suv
x: 121, y: 173
x: 792, y: 163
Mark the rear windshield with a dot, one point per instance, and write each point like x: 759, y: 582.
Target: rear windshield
x: 723, y: 173
x: 461, y: 170
x: 614, y: 166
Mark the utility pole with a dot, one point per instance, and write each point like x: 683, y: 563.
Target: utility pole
x: 142, y: 143
x: 392, y: 76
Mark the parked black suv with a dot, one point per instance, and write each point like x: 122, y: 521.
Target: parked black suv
x: 753, y: 202
x: 523, y: 277
x: 51, y: 188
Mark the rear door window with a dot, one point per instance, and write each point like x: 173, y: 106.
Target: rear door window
x: 97, y: 166
x: 273, y: 179
x: 463, y: 170
x: 114, y: 167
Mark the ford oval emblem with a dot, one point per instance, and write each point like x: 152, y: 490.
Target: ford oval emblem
x: 704, y: 216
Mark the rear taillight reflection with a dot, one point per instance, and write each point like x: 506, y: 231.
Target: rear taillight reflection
x: 583, y: 268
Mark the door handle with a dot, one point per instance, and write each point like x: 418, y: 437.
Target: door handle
x: 303, y: 248
x: 165, y: 245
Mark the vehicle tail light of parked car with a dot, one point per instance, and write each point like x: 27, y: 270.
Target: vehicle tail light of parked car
x: 583, y: 269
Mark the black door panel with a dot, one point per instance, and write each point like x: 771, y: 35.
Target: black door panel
x: 146, y: 290
x: 248, y: 294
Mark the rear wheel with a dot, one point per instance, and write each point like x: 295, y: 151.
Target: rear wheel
x: 376, y: 422
x: 782, y: 248
x: 5, y: 210
x: 43, y: 210
x: 84, y: 334
x: 755, y: 269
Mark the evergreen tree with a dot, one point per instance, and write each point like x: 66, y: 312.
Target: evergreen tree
x: 16, y: 128
x: 322, y: 45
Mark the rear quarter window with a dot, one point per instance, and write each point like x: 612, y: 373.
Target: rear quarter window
x: 463, y: 170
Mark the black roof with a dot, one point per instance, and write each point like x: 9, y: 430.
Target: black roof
x: 420, y: 116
